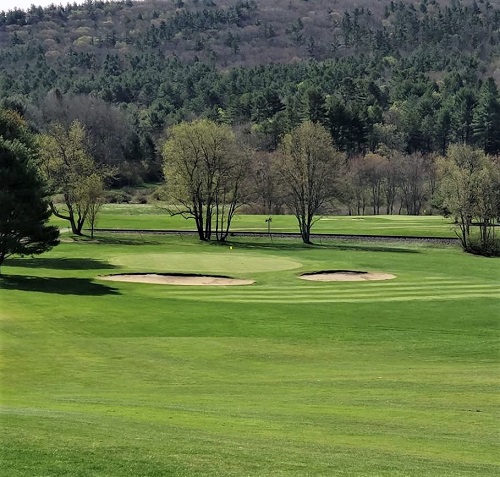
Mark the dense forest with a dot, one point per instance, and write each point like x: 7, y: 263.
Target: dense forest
x: 387, y: 79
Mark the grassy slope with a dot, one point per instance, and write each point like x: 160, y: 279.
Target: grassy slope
x: 151, y: 217
x: 285, y: 377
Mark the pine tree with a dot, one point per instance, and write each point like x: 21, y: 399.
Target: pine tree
x: 486, y: 121
x: 25, y: 208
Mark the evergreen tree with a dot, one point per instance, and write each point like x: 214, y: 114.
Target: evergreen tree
x: 25, y: 208
x: 486, y: 121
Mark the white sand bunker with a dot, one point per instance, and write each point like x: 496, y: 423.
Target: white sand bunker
x: 345, y: 276
x: 177, y: 279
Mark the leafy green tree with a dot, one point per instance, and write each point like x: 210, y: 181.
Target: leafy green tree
x: 204, y: 169
x: 25, y: 210
x: 470, y: 189
x: 67, y: 166
x: 92, y: 193
x: 309, y: 166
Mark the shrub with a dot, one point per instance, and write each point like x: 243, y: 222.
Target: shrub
x: 488, y: 248
x: 118, y: 196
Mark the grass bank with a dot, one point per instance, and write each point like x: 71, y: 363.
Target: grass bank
x: 281, y: 378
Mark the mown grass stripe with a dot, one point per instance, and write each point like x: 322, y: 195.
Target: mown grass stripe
x: 330, y: 286
x: 330, y: 292
x: 336, y: 298
x: 359, y: 284
x: 366, y: 300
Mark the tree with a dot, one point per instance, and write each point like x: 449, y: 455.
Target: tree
x: 109, y: 135
x: 91, y: 190
x: 394, y: 158
x: 413, y: 178
x: 68, y: 166
x: 486, y: 120
x: 463, y: 107
x: 470, y: 190
x: 375, y: 171
x: 25, y: 210
x: 353, y: 190
x: 264, y: 183
x: 309, y: 167
x: 204, y: 170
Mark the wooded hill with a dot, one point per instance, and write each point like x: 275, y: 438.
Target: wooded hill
x: 250, y: 32
x: 407, y: 76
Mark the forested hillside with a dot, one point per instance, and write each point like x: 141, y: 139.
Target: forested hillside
x: 380, y: 76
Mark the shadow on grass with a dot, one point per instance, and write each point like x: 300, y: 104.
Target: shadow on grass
x: 262, y: 245
x: 59, y: 286
x: 60, y: 263
x: 128, y: 240
x: 297, y: 246
x: 371, y: 248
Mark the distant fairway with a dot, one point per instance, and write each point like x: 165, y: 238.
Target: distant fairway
x: 280, y: 378
x: 147, y: 216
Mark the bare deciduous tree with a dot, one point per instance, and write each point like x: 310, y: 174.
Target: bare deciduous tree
x: 204, y: 170
x: 309, y: 166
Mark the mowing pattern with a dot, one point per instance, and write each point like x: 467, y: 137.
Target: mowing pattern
x: 354, y: 292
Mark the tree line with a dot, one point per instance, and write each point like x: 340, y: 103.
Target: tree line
x: 416, y: 116
x: 414, y: 76
x: 395, y: 86
x: 210, y: 171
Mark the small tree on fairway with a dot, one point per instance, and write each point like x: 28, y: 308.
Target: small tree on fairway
x: 470, y: 189
x: 24, y: 210
x: 68, y: 166
x: 205, y: 170
x: 309, y: 166
x: 91, y: 191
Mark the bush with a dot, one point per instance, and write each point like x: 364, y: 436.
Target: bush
x: 118, y: 196
x: 140, y: 196
x: 490, y: 248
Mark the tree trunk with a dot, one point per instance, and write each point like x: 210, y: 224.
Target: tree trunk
x: 198, y: 218
x: 70, y: 218
x: 305, y: 228
x: 306, y: 235
x: 2, y: 258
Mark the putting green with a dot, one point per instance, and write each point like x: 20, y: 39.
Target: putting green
x: 228, y: 263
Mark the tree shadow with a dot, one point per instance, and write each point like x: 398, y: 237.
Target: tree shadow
x: 292, y: 246
x: 60, y: 263
x: 116, y: 240
x: 297, y: 246
x: 371, y: 248
x: 59, y: 286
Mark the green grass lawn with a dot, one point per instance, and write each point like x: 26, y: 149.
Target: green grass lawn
x: 153, y: 217
x: 281, y: 378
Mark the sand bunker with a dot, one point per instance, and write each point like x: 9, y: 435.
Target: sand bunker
x: 345, y: 276
x: 173, y: 279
